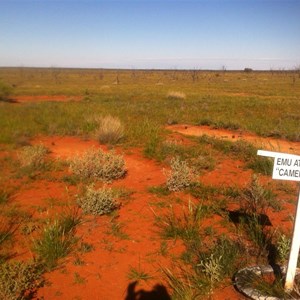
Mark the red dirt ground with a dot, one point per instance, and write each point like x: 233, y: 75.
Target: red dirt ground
x: 103, y: 273
x: 264, y: 143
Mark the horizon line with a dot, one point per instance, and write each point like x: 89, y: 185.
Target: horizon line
x: 296, y: 68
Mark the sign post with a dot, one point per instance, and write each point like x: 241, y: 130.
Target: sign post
x: 287, y: 167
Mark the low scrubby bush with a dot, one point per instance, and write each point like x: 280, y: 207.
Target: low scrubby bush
x: 180, y: 176
x: 97, y: 164
x: 19, y: 279
x: 98, y: 202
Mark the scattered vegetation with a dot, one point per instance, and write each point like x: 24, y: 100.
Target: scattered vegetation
x: 96, y: 164
x: 144, y: 105
x: 241, y: 150
x: 207, y: 266
x: 208, y: 261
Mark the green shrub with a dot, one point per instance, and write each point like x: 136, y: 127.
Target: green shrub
x: 97, y: 164
x: 180, y: 176
x: 98, y: 202
x: 33, y: 156
x: 19, y: 279
x: 110, y: 130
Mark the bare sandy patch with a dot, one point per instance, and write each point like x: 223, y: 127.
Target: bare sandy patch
x: 272, y: 144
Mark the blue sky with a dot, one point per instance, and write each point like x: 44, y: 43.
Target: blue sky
x: 172, y: 34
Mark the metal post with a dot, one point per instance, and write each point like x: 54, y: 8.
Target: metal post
x: 293, y: 259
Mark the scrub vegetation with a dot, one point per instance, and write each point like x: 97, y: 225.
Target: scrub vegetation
x: 265, y: 103
x: 92, y: 172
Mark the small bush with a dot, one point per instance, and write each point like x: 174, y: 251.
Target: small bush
x: 19, y: 279
x: 33, y: 156
x: 176, y: 95
x: 98, y: 165
x: 110, y: 130
x: 180, y: 176
x: 98, y: 202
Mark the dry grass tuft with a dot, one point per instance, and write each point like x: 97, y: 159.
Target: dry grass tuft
x: 110, y: 130
x: 33, y: 156
x: 176, y: 95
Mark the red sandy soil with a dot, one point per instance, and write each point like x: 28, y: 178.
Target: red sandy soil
x: 264, y: 143
x: 103, y: 273
x: 43, y: 98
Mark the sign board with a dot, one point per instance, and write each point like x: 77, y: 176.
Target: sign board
x: 287, y: 167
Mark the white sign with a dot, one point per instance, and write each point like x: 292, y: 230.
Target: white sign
x: 286, y: 166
